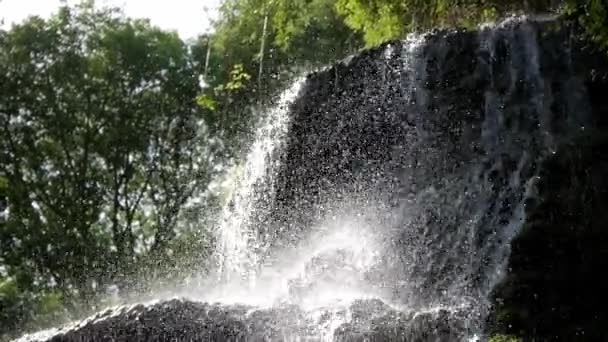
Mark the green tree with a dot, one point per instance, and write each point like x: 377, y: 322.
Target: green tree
x: 103, y: 148
x: 299, y: 35
x: 592, y: 15
x: 383, y: 20
x: 312, y: 32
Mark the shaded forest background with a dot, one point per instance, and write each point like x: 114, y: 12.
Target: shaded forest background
x: 114, y: 133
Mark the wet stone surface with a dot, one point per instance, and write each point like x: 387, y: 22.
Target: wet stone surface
x: 183, y: 320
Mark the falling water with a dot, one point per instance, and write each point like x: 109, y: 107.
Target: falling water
x: 251, y: 189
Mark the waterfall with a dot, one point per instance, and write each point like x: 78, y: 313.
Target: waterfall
x: 380, y: 204
x: 417, y: 209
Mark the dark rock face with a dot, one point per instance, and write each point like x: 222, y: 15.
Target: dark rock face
x: 555, y: 289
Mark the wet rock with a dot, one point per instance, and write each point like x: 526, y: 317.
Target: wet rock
x: 556, y: 289
x: 183, y: 320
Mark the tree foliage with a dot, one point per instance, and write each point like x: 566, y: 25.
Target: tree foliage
x: 103, y: 148
x: 299, y: 34
x: 592, y: 15
x: 382, y: 20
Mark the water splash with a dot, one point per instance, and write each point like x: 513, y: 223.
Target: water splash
x: 326, y: 268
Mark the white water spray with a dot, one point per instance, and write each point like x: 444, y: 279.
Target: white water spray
x: 252, y: 185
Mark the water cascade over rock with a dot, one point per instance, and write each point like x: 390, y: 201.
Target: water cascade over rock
x: 380, y: 197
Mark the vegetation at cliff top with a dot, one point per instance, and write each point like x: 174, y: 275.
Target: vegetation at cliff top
x: 504, y: 338
x: 112, y: 131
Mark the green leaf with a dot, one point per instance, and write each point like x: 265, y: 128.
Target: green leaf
x: 504, y: 338
x: 206, y: 102
x: 3, y: 183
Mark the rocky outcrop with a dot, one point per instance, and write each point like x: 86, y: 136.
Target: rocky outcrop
x: 186, y: 321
